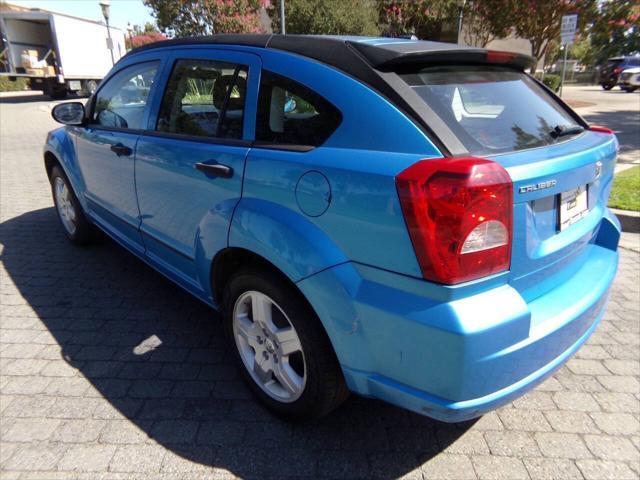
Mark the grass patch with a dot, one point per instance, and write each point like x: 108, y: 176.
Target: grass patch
x: 625, y: 193
x: 7, y: 85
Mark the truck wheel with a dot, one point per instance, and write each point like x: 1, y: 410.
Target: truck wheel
x: 58, y: 93
x: 608, y: 86
x: 280, y: 347
x: 89, y: 87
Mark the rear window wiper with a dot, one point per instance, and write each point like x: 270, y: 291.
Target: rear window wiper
x: 564, y: 130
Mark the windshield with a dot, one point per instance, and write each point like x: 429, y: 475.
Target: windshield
x: 493, y: 109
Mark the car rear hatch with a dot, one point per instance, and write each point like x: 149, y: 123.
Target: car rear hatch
x: 560, y: 168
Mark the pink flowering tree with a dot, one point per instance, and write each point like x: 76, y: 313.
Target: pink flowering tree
x: 539, y: 20
x: 424, y: 18
x: 616, y: 30
x: 183, y: 18
x: 143, y: 38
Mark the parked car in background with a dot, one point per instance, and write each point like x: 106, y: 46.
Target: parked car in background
x: 630, y: 79
x: 611, y: 71
x: 377, y: 216
x: 58, y: 53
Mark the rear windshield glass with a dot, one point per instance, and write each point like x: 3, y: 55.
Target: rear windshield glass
x: 492, y: 109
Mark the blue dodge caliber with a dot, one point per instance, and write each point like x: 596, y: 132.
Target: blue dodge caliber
x: 419, y: 222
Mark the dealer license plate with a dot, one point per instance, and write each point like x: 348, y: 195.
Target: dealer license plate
x: 573, y: 206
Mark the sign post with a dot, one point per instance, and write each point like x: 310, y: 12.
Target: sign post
x: 567, y: 35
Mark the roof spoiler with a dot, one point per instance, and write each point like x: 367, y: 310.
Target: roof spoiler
x: 382, y: 58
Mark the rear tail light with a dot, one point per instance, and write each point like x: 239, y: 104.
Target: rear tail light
x: 459, y: 215
x: 617, y: 70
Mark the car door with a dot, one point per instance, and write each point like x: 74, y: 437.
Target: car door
x: 190, y: 161
x: 106, y: 150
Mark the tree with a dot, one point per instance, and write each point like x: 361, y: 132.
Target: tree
x: 333, y: 17
x: 138, y: 40
x: 143, y: 35
x: 616, y: 31
x: 539, y: 20
x: 148, y: 28
x: 486, y: 20
x: 183, y: 18
x: 427, y: 19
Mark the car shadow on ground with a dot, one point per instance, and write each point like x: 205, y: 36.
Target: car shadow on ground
x: 157, y: 356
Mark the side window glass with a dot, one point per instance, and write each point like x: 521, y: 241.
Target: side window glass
x: 290, y: 113
x: 120, y: 103
x: 204, y: 99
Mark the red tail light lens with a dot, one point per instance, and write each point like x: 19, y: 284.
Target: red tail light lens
x: 459, y: 214
x: 617, y: 70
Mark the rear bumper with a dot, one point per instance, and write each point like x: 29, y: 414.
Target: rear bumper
x: 456, y: 353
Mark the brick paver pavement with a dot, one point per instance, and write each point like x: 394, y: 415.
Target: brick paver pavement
x: 109, y: 371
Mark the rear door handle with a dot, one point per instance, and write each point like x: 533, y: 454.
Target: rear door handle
x: 120, y: 149
x: 216, y: 169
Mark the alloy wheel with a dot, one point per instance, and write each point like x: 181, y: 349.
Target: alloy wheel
x: 269, y: 346
x: 66, y: 210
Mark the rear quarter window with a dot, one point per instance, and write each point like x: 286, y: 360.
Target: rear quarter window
x: 291, y: 114
x: 492, y: 109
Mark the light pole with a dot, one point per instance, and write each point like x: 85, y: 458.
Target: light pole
x: 130, y: 32
x: 460, y: 4
x: 104, y: 5
x: 283, y: 30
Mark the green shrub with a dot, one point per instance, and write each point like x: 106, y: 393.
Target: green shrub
x: 7, y: 85
x: 552, y: 81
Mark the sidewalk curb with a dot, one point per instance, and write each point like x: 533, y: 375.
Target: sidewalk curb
x: 629, y: 220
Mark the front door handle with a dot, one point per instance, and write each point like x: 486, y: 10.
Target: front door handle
x: 120, y: 149
x: 216, y: 169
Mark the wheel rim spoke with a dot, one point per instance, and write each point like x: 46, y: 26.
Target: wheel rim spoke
x: 288, y: 341
x: 261, y: 370
x: 261, y: 309
x: 248, y: 330
x: 289, y: 380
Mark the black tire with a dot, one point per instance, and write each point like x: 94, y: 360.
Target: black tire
x: 89, y: 87
x: 58, y: 94
x: 608, y: 86
x: 325, y: 388
x: 630, y: 89
x: 85, y: 232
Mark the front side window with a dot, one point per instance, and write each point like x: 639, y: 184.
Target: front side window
x: 204, y: 99
x: 121, y: 102
x: 492, y: 109
x: 290, y: 113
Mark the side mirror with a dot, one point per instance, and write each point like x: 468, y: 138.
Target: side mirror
x: 71, y: 113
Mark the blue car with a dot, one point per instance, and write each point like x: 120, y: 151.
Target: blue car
x: 417, y: 222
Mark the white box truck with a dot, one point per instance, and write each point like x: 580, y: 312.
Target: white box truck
x: 58, y: 53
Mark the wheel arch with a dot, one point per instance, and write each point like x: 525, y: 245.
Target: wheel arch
x: 60, y: 150
x: 233, y: 259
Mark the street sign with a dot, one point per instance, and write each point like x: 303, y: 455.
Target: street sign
x: 567, y: 33
x: 568, y: 28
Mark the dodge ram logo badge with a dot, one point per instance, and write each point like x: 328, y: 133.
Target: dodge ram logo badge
x: 537, y: 186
